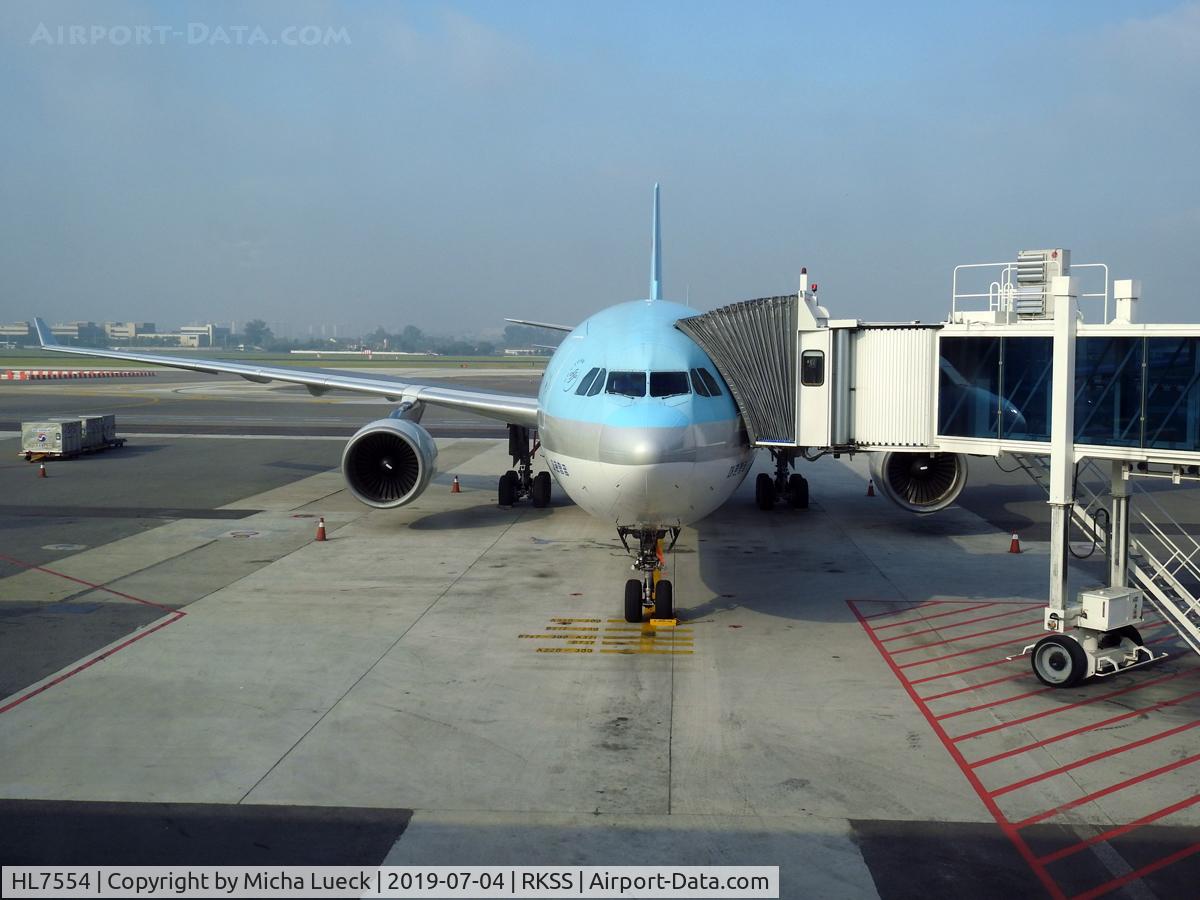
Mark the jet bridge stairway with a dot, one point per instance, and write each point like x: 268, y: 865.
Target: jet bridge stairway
x: 1164, y: 562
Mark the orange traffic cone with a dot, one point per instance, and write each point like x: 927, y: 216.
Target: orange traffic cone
x: 321, y: 528
x: 1015, y: 545
x: 454, y: 488
x: 870, y: 487
x: 42, y: 470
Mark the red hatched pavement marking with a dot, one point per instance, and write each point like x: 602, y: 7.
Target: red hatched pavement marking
x: 1119, y: 830
x: 953, y: 612
x: 1005, y: 826
x: 975, y: 687
x: 896, y: 612
x: 938, y: 628
x: 41, y: 688
x: 92, y: 585
x: 1008, y: 643
x: 1132, y: 714
x: 1095, y: 757
x: 971, y: 735
x: 964, y: 637
x: 1012, y: 830
x: 176, y: 615
x: 1104, y: 792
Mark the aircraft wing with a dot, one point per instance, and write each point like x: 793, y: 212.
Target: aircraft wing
x: 548, y: 325
x: 510, y: 408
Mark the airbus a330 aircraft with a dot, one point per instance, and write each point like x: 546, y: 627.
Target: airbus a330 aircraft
x: 634, y: 421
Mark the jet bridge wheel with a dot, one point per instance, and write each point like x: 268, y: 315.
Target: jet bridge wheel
x: 633, y: 600
x: 507, y: 494
x: 540, y: 493
x: 1059, y: 661
x: 764, y: 491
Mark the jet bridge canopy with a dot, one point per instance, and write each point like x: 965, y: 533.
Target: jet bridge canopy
x: 753, y: 344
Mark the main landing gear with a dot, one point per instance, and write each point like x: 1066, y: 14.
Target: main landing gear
x: 520, y: 482
x: 794, y: 487
x: 650, y: 591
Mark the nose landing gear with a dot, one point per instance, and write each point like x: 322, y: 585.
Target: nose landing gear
x: 651, y: 591
x: 794, y: 487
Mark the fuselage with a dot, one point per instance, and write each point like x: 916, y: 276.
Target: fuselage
x: 635, y: 422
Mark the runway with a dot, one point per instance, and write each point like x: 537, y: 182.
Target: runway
x: 448, y: 683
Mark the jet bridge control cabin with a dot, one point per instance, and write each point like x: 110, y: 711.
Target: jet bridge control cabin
x: 1038, y: 359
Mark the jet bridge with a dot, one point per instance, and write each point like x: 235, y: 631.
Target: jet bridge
x: 1088, y: 408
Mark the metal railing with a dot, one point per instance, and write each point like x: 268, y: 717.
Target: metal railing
x: 1006, y: 294
x: 1164, y: 562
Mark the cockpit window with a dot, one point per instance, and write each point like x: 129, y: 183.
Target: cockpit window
x: 629, y: 384
x: 698, y: 385
x: 587, y: 381
x: 668, y: 384
x: 597, y: 385
x: 714, y: 389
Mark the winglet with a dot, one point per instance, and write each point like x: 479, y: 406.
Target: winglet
x: 655, y: 253
x: 44, y: 335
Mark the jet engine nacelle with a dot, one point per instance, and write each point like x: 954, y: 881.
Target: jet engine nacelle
x: 389, y: 462
x: 920, y: 482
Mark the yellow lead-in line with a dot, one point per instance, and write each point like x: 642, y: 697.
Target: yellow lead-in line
x: 639, y: 630
x: 546, y: 637
x: 640, y: 650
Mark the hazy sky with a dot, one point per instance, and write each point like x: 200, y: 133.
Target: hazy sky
x: 450, y: 164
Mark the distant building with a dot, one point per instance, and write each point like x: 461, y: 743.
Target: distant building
x: 203, y: 335
x: 127, y: 331
x: 16, y: 332
x: 79, y: 332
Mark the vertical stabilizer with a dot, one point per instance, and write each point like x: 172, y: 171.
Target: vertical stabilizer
x: 655, y: 253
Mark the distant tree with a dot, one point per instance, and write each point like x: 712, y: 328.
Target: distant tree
x: 378, y: 339
x: 256, y: 333
x: 525, y: 336
x: 411, y: 340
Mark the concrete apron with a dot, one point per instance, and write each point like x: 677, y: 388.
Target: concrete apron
x: 385, y: 667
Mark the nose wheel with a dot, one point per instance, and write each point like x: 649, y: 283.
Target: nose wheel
x: 650, y: 591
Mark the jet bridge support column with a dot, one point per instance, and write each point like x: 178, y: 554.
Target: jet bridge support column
x: 1118, y: 529
x: 1062, y: 440
x: 1094, y: 634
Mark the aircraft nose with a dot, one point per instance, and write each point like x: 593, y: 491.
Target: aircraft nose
x: 667, y: 439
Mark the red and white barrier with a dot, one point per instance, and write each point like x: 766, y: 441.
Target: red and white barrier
x: 53, y: 374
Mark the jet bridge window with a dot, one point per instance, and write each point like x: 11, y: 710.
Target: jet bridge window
x: 704, y: 383
x: 668, y: 384
x: 812, y: 368
x: 628, y: 384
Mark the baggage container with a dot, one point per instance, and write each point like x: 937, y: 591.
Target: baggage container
x: 98, y: 430
x: 61, y: 438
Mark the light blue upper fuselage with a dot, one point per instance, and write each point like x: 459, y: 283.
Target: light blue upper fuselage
x: 639, y: 336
